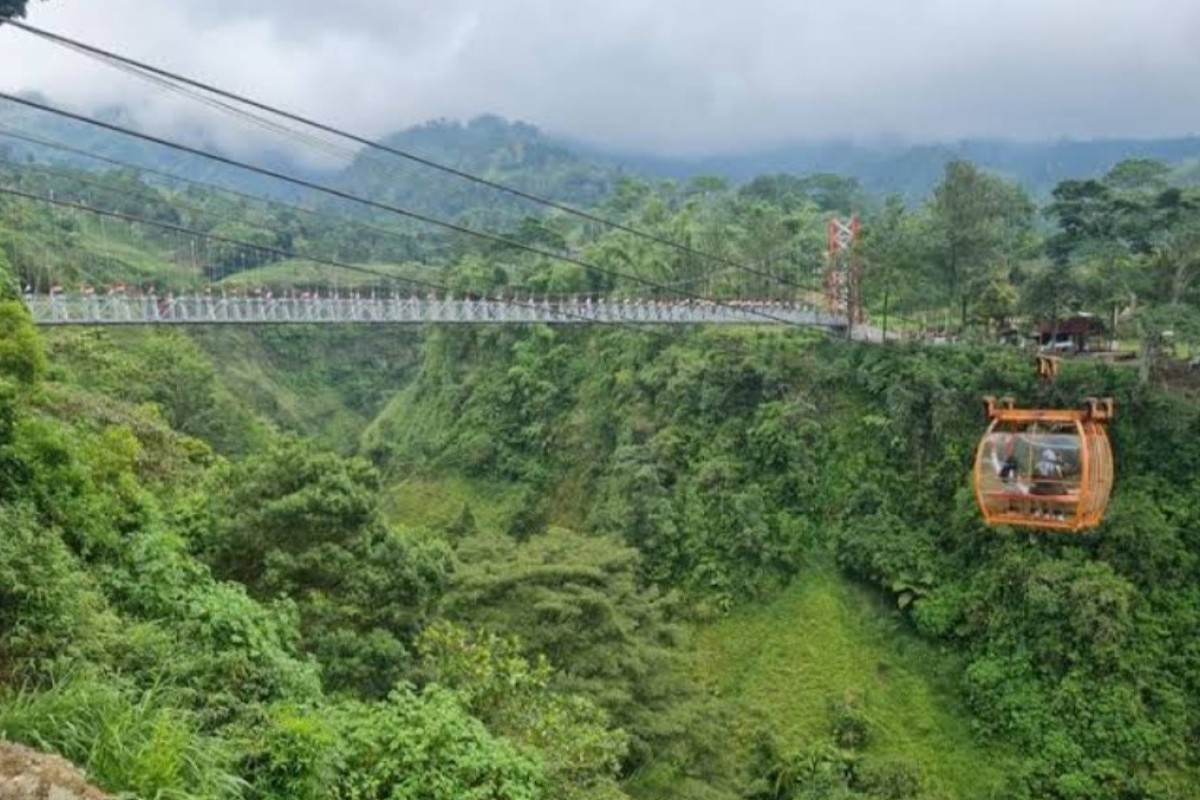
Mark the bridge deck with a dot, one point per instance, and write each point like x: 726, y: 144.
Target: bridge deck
x: 124, y: 309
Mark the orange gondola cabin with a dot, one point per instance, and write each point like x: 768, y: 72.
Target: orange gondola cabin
x: 1045, y: 469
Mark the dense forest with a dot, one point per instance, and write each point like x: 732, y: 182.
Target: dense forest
x: 529, y: 562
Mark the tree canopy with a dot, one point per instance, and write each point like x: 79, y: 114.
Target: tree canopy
x: 12, y: 8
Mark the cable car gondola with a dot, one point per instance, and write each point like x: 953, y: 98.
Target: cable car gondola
x: 1046, y: 469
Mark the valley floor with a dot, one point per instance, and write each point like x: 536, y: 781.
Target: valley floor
x: 825, y: 640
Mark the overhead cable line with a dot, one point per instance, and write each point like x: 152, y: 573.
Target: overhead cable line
x: 285, y: 253
x: 647, y: 329
x: 159, y: 75
x: 148, y: 193
x: 398, y: 236
x: 302, y: 182
x: 279, y: 251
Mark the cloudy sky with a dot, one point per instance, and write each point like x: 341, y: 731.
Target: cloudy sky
x: 681, y: 76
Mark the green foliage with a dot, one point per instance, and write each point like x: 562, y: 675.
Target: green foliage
x: 569, y: 735
x: 695, y: 448
x: 240, y: 654
x: 21, y: 355
x: 977, y: 220
x: 596, y: 487
x: 128, y: 741
x: 50, y: 608
x: 575, y: 599
x: 426, y: 746
x: 9, y: 290
x: 825, y: 772
x: 826, y: 667
x: 272, y: 508
x: 303, y: 523
x: 290, y: 753
x: 164, y: 368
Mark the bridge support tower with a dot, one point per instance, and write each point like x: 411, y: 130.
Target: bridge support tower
x: 843, y: 271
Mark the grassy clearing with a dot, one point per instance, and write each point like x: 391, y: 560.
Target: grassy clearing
x: 824, y: 640
x: 434, y: 503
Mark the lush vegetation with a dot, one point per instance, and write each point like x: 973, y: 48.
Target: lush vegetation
x: 732, y: 463
x: 976, y: 257
x: 912, y: 170
x: 520, y: 563
x: 514, y: 154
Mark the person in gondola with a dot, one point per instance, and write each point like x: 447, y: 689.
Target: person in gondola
x: 1008, y: 467
x: 1047, y: 478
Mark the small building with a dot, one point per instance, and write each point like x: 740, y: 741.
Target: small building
x: 1073, y: 333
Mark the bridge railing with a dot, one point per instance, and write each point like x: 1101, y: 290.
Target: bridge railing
x: 62, y: 308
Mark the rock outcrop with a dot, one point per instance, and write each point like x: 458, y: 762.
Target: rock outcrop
x: 26, y: 774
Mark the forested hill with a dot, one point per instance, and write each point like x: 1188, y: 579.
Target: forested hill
x: 521, y: 155
x: 596, y: 564
x: 513, y: 153
x: 913, y: 170
x: 17, y: 122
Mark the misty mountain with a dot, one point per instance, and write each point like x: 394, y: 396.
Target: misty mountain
x: 18, y: 121
x: 521, y: 155
x: 512, y: 153
x: 913, y: 170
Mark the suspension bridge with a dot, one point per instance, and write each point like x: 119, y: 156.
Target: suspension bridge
x: 61, y: 308
x: 841, y: 312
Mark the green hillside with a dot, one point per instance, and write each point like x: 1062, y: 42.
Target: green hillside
x: 828, y: 658
x: 736, y: 563
x: 515, y: 154
x: 520, y: 154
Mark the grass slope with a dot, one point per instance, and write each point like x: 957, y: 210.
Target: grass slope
x: 433, y: 503
x: 824, y: 640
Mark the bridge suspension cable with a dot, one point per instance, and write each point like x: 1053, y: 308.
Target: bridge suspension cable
x: 267, y: 201
x: 397, y: 235
x: 197, y: 310
x: 424, y: 218
x: 282, y: 252
x: 145, y: 194
x: 172, y: 80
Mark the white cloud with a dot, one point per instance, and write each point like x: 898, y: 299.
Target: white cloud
x: 663, y: 75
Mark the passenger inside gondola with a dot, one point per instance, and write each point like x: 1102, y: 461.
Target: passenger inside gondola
x: 1035, y: 471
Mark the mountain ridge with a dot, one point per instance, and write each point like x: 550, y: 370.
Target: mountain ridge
x: 571, y: 170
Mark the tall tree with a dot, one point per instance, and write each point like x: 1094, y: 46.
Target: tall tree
x: 1176, y: 239
x: 1085, y: 212
x: 1125, y: 236
x: 893, y: 257
x: 976, y: 220
x: 829, y: 192
x: 1136, y: 174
